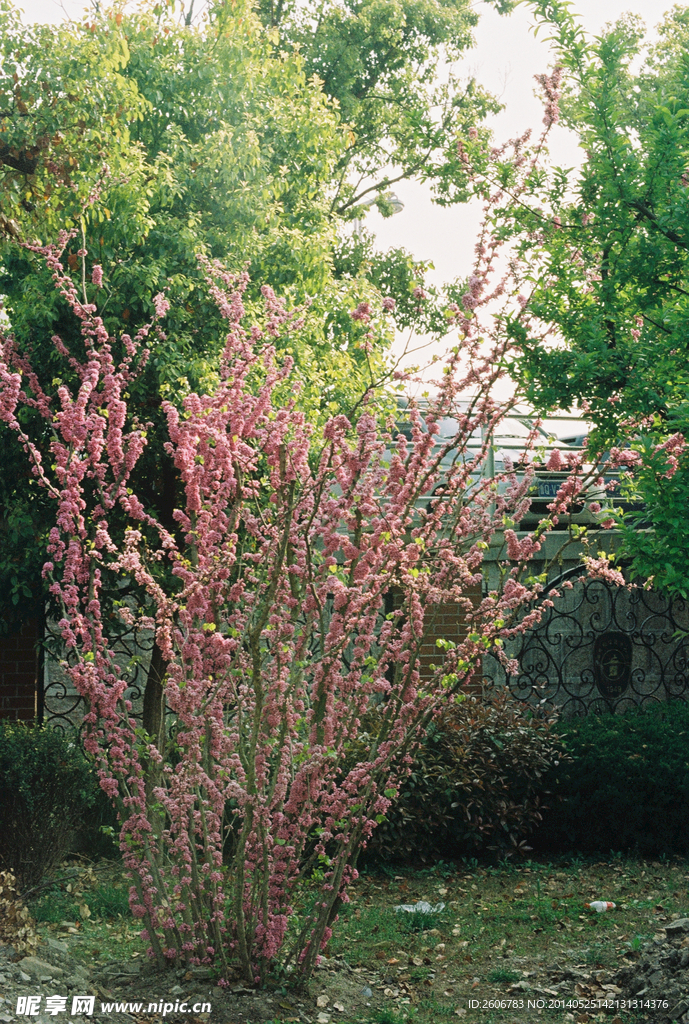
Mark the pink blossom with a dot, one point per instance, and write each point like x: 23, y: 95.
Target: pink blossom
x: 555, y: 463
x: 600, y: 568
x: 362, y: 312
x: 161, y: 304
x: 550, y: 84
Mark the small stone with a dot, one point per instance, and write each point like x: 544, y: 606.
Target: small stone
x: 323, y: 1018
x: 61, y: 947
x: 37, y: 967
x: 176, y: 990
x: 339, y: 1007
x: 677, y: 928
x: 322, y: 1002
x: 366, y: 992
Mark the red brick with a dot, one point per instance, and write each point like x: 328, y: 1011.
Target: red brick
x: 18, y: 673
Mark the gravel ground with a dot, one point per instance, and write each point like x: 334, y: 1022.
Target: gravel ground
x: 656, y: 984
x: 191, y: 994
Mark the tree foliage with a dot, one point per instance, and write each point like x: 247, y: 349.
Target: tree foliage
x: 602, y: 253
x: 388, y: 65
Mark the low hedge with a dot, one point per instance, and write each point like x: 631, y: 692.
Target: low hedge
x: 46, y: 788
x: 626, y: 786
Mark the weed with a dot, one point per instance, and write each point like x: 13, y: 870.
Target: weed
x: 437, y: 1010
x: 53, y: 906
x: 420, y: 922
x: 470, y: 864
x: 107, y: 901
x: 596, y: 955
x: 441, y: 869
x: 503, y: 976
x: 57, y: 904
x: 390, y: 1017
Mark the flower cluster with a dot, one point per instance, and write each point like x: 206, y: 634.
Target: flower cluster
x: 550, y: 84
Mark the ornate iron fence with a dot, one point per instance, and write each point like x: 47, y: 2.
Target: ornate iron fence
x: 64, y: 708
x: 602, y: 648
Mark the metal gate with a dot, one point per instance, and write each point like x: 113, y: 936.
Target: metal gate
x: 602, y: 648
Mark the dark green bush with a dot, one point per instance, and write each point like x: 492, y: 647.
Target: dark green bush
x: 476, y: 783
x: 98, y: 835
x: 626, y: 787
x: 46, y: 785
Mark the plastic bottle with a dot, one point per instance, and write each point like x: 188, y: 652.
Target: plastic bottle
x: 600, y: 906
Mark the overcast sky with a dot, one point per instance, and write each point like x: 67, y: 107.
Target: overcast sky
x: 505, y: 59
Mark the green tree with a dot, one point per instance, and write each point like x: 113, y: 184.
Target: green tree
x: 388, y: 64
x: 602, y: 253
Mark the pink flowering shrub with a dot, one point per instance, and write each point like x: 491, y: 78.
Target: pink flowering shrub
x: 270, y: 605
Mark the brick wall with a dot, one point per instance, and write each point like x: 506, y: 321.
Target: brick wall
x: 18, y: 673
x: 448, y: 623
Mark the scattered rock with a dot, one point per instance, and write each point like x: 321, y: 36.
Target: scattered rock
x: 39, y: 968
x: 677, y: 927
x: 62, y: 947
x: 661, y: 974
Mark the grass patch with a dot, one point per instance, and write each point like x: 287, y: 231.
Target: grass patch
x: 504, y: 925
x: 505, y: 931
x: 56, y: 904
x: 503, y: 976
x: 108, y: 902
x: 53, y: 906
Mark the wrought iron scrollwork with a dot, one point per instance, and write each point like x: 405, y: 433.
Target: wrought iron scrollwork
x: 602, y: 648
x: 64, y: 708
